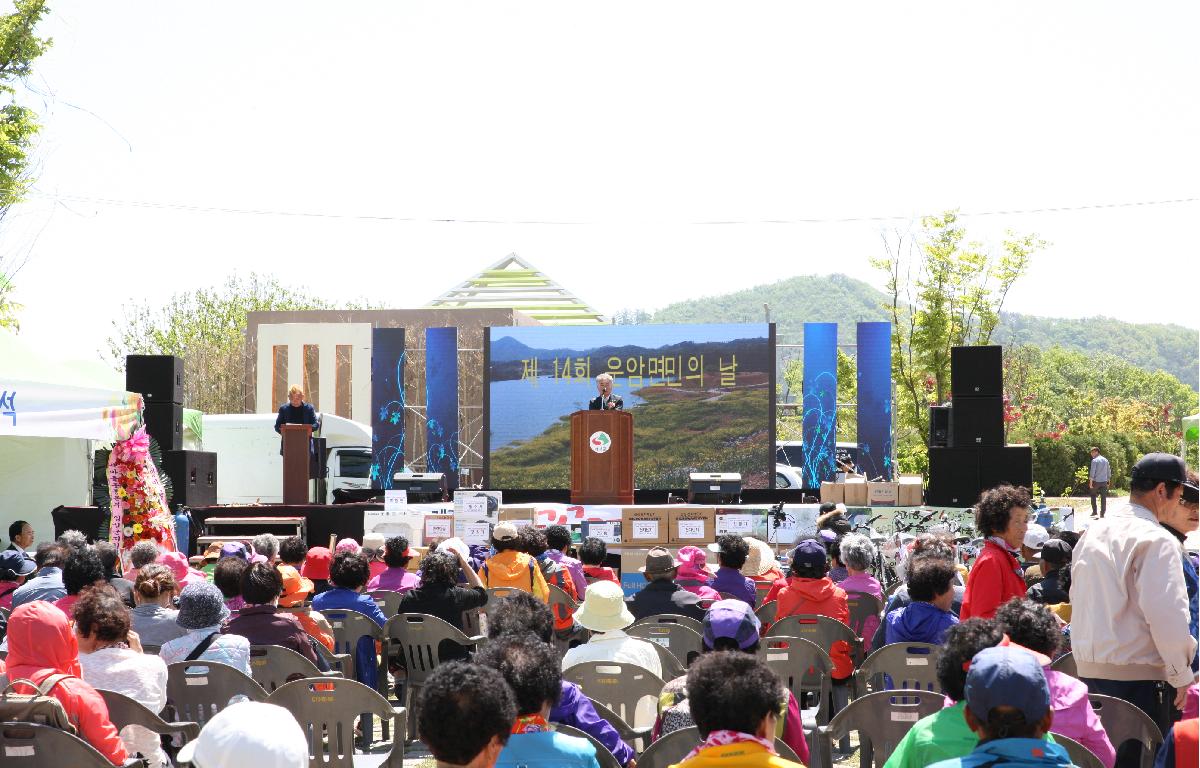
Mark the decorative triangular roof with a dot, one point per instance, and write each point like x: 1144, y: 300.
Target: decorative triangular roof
x: 512, y: 283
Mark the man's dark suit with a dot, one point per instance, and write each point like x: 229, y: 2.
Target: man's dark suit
x: 614, y: 402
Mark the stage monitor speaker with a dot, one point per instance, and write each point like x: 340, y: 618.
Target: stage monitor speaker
x: 317, y: 458
x: 953, y: 477
x: 976, y: 371
x: 158, y: 378
x: 193, y: 475
x: 1012, y: 464
x: 714, y: 487
x: 426, y: 486
x: 939, y: 426
x: 164, y: 422
x: 976, y: 422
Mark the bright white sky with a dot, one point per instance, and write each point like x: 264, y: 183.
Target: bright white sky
x: 636, y: 118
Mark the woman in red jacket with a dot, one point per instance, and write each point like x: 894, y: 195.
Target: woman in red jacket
x: 1001, y: 516
x: 41, y: 644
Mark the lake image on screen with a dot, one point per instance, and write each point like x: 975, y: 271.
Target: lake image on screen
x: 700, y: 398
x: 527, y: 409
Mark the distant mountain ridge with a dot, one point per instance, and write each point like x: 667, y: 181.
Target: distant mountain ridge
x: 844, y: 300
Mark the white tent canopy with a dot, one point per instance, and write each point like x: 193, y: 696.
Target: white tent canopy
x: 44, y: 398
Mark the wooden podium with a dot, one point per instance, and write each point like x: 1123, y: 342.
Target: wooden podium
x: 296, y: 439
x: 601, y: 457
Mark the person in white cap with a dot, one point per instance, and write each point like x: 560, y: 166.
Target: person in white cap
x: 1031, y: 549
x: 249, y: 733
x: 604, y: 612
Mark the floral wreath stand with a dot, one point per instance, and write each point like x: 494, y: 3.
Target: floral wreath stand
x: 138, y: 499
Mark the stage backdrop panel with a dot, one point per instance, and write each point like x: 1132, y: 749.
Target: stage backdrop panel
x: 820, y: 403
x: 702, y: 399
x: 441, y: 403
x: 875, y: 400
x: 387, y: 405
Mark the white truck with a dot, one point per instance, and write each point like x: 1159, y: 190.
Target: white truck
x: 250, y: 469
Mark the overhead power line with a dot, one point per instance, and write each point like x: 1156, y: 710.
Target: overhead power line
x: 191, y: 208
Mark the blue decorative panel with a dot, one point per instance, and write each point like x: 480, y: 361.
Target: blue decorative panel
x: 875, y: 400
x: 441, y: 402
x: 819, y: 403
x: 387, y: 405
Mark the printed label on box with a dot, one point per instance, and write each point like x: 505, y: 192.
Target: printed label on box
x: 690, y: 529
x: 439, y: 528
x: 475, y: 532
x: 475, y: 506
x: 393, y: 501
x: 739, y: 525
x: 606, y: 532
x: 645, y: 529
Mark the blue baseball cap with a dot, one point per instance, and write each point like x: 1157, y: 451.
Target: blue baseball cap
x: 1007, y: 676
x: 734, y: 619
x: 15, y: 563
x: 809, y: 554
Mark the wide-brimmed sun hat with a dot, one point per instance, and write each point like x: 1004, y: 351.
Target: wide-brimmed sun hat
x: 604, y: 608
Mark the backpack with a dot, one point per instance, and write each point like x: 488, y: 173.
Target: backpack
x: 40, y: 708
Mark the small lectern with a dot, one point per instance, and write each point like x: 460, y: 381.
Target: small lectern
x: 296, y: 439
x: 601, y: 457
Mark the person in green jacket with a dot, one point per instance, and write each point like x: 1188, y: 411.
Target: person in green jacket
x: 945, y: 734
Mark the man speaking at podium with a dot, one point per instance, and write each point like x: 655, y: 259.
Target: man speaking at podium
x: 296, y: 411
x: 606, y: 400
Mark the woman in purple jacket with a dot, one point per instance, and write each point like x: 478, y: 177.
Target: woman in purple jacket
x: 1033, y: 626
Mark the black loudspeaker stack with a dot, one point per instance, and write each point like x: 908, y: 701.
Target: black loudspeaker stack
x: 974, y: 457
x: 159, y: 379
x: 194, y: 477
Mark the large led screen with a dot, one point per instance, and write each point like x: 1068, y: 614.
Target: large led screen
x: 702, y: 399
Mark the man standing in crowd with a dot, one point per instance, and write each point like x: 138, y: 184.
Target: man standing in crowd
x: 1098, y: 475
x: 20, y: 537
x: 1130, y: 634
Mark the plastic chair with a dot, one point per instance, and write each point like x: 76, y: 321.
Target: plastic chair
x: 1081, y: 756
x: 673, y: 747
x: 881, y: 720
x: 348, y: 626
x: 37, y: 746
x: 326, y: 710
x: 339, y: 662
x: 273, y: 665
x: 671, y: 666
x: 123, y: 711
x: 387, y: 600
x: 620, y: 687
x: 603, y: 756
x: 909, y: 665
x: 627, y: 732
x: 863, y: 606
x: 766, y: 612
x: 1124, y: 722
x: 1065, y: 664
x: 671, y: 618
x: 417, y: 639
x: 822, y: 630
x: 806, y: 670
x: 151, y: 650
x: 682, y: 641
x: 197, y: 690
x: 761, y: 588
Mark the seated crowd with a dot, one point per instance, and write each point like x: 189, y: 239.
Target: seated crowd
x: 77, y: 618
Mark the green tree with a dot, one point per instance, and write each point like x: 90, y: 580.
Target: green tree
x: 19, y: 46
x: 207, y: 328
x: 943, y: 291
